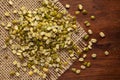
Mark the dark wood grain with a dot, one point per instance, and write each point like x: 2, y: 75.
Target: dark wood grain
x: 107, y: 14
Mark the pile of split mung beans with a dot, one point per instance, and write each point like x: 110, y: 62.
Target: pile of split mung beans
x: 37, y: 36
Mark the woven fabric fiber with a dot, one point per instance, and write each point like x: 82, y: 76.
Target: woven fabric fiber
x: 6, y: 64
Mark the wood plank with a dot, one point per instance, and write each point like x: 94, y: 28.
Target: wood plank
x: 107, y: 14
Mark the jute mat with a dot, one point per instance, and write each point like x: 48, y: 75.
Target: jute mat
x: 6, y: 64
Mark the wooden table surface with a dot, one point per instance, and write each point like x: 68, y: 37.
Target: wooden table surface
x: 107, y: 14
